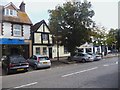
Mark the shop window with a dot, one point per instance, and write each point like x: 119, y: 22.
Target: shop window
x: 38, y: 50
x: 44, y: 51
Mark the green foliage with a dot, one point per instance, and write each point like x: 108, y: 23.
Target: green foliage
x: 99, y: 35
x: 112, y: 37
x: 72, y: 21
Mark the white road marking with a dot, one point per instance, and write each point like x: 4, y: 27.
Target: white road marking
x: 111, y: 64
x: 79, y: 72
x: 106, y: 65
x: 26, y: 85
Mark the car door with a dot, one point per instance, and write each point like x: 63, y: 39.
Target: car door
x: 80, y: 56
x: 76, y: 57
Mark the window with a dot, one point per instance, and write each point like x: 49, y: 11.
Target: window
x: 80, y: 50
x: 38, y: 50
x: 7, y: 11
x: 44, y: 51
x: 65, y: 50
x: 10, y: 12
x: 44, y: 37
x: 17, y: 30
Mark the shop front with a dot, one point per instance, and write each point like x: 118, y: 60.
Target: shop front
x: 14, y: 46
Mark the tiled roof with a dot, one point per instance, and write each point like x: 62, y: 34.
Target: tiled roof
x: 37, y: 26
x: 22, y: 17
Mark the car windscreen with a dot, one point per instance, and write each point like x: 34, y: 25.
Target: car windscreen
x: 17, y: 59
x: 43, y: 58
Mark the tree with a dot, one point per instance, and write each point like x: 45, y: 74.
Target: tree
x: 72, y: 22
x: 112, y: 38
x: 118, y: 40
x: 99, y: 35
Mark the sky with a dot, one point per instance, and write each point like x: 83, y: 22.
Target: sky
x: 106, y: 11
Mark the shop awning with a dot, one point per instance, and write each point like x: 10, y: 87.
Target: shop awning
x: 11, y: 41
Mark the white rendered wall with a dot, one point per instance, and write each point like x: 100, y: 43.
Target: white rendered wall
x: 7, y: 29
x: 41, y: 50
x: 26, y: 31
x: 61, y: 51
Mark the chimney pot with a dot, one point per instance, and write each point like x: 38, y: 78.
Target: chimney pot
x: 22, y: 7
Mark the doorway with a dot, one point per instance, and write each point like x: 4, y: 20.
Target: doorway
x: 50, y: 52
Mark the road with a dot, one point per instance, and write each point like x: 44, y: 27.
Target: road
x: 98, y: 74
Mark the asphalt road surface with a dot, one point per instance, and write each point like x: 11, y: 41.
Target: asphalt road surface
x: 98, y: 74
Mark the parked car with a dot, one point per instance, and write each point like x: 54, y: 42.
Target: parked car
x: 95, y: 56
x: 81, y: 57
x: 14, y: 63
x: 39, y: 61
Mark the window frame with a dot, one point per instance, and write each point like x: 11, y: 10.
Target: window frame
x: 44, y: 51
x: 17, y: 32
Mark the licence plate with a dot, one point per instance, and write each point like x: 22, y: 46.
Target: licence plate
x: 20, y: 69
x: 44, y: 62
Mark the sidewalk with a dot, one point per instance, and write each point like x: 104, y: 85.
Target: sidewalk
x: 111, y: 55
x: 64, y: 60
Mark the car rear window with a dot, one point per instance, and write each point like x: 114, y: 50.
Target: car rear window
x: 43, y: 58
x: 17, y: 59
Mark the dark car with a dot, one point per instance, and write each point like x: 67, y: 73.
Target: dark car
x: 14, y: 63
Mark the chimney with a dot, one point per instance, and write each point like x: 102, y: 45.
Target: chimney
x: 22, y: 7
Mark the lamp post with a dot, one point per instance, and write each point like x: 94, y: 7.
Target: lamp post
x: 57, y: 37
x: 57, y: 47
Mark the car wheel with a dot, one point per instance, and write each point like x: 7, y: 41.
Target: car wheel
x: 83, y: 60
x: 35, y: 67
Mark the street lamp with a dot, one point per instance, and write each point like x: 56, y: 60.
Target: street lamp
x: 57, y: 37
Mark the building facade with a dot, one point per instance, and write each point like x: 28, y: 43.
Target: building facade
x: 15, y: 28
x: 42, y: 41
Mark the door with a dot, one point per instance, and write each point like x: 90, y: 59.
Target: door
x: 50, y: 52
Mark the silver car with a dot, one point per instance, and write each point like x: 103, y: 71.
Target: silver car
x: 95, y: 56
x: 82, y: 57
x: 38, y: 61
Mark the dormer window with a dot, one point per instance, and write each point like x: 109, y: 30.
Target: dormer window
x: 10, y: 12
x: 7, y: 11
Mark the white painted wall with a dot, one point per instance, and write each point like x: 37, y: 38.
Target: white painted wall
x: 50, y: 38
x: 40, y: 29
x: 37, y: 37
x: 0, y: 28
x: 7, y: 29
x: 54, y: 51
x: 41, y: 50
x: 46, y: 30
x: 26, y: 31
x: 61, y: 51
